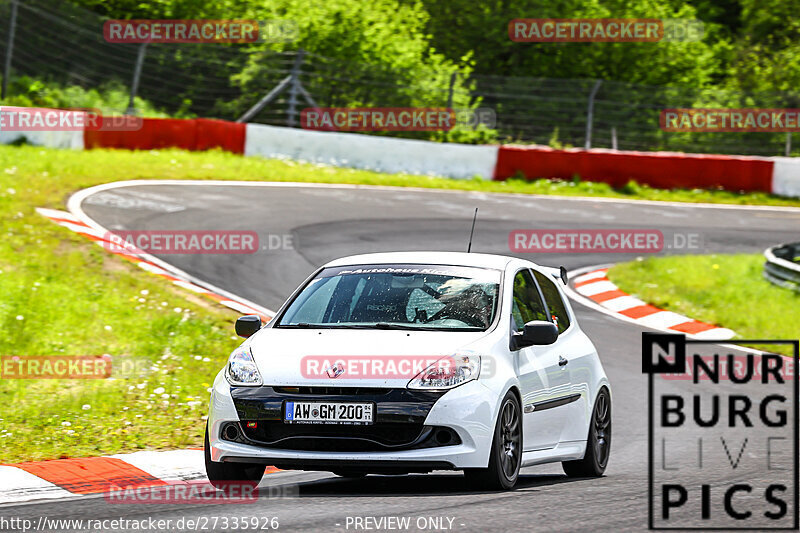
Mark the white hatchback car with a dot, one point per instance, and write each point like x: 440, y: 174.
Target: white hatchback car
x: 412, y: 362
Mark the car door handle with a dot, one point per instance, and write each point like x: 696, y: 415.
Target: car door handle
x: 562, y: 361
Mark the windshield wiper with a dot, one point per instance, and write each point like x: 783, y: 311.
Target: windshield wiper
x: 386, y: 325
x: 306, y: 325
x: 379, y: 325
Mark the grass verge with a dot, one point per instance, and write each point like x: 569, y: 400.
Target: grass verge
x: 78, y: 169
x: 62, y: 295
x: 727, y: 290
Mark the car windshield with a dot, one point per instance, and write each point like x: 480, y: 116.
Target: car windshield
x: 424, y: 297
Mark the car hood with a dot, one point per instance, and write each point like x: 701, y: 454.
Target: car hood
x: 369, y: 358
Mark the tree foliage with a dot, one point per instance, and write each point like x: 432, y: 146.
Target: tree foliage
x: 750, y: 45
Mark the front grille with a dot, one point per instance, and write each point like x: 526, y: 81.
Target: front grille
x: 319, y: 436
x: 392, y: 404
x: 336, y: 391
x: 339, y: 438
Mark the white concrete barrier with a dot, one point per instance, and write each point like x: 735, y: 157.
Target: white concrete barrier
x: 72, y: 140
x: 69, y: 137
x: 786, y: 176
x: 383, y: 154
x: 369, y: 152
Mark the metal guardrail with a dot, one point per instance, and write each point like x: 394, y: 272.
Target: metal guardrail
x: 783, y: 265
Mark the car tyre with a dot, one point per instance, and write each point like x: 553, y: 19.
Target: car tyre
x: 598, y: 442
x: 505, y: 456
x: 226, y: 475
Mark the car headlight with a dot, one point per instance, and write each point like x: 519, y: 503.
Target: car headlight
x: 448, y: 372
x: 242, y: 369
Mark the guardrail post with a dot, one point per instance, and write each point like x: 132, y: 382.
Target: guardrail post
x: 253, y: 111
x: 137, y: 72
x: 450, y: 91
x: 12, y: 27
x: 590, y: 113
x: 294, y: 89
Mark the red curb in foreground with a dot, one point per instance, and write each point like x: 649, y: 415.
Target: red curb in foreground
x: 693, y: 327
x: 90, y: 475
x: 96, y: 475
x: 608, y: 295
x: 640, y: 311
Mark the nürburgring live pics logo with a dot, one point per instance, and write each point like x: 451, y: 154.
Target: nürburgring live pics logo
x: 722, y: 434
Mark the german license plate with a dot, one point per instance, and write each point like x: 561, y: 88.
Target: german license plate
x: 328, y: 413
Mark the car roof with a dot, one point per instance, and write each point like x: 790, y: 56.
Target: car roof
x: 426, y: 258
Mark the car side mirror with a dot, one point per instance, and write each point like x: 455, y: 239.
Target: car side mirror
x: 247, y: 325
x: 535, y: 333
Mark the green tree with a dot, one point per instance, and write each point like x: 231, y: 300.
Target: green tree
x: 464, y: 29
x: 767, y: 52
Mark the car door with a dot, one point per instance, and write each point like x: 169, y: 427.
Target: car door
x: 574, y: 355
x: 543, y: 380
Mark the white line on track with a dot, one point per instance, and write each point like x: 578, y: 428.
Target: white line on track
x: 293, y: 184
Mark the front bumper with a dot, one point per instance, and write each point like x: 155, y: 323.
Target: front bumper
x: 396, y: 442
x: 399, y: 420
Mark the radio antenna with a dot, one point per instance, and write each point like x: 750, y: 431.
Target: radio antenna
x: 472, y: 231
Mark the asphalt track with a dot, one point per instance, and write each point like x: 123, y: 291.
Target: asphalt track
x: 327, y: 222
